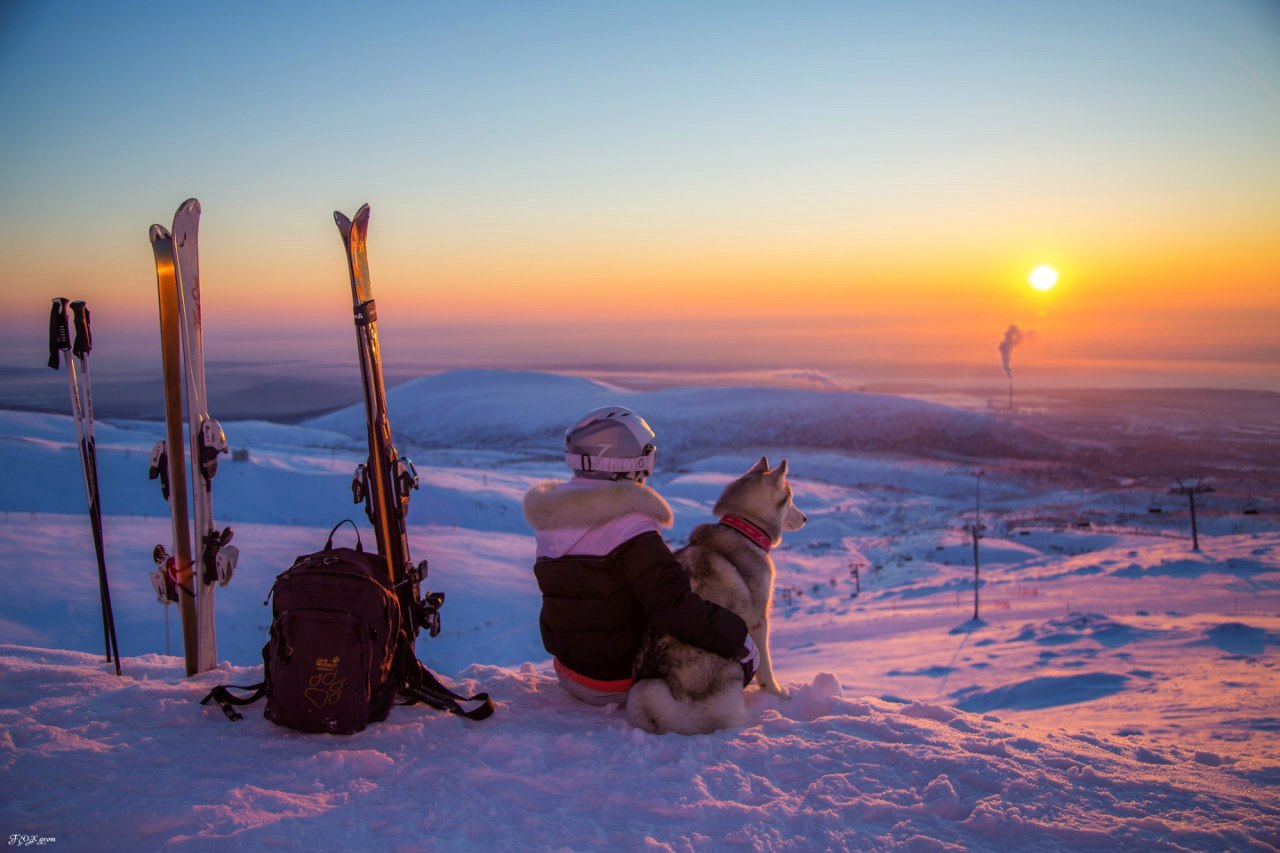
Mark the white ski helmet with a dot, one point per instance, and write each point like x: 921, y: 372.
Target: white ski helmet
x: 610, y: 443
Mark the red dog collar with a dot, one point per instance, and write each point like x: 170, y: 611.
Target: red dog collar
x: 749, y: 530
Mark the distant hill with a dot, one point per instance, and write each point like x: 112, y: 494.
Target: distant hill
x: 529, y: 411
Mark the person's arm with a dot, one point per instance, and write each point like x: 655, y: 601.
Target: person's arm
x: 662, y: 586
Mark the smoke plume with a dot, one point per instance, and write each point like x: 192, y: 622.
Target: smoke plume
x: 1012, y: 337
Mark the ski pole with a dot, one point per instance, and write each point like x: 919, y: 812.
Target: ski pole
x: 60, y: 342
x: 82, y: 413
x: 79, y: 413
x: 89, y: 449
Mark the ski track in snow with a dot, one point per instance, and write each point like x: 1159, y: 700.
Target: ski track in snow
x: 1119, y: 691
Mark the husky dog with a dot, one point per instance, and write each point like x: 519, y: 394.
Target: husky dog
x: 684, y: 689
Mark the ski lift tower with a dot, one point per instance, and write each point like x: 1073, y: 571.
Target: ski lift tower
x: 975, y: 530
x: 1199, y: 487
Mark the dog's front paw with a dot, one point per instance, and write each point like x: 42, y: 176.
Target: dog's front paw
x: 776, y: 689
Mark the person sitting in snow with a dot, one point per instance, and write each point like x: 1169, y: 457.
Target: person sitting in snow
x: 605, y: 572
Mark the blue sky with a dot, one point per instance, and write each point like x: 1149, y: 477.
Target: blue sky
x: 531, y: 160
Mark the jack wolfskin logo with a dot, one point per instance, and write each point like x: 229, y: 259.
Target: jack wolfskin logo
x: 325, y: 686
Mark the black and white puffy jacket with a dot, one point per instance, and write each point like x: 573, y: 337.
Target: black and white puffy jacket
x: 605, y: 574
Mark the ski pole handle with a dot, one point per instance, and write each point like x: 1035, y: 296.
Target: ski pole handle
x: 84, y: 341
x: 59, y: 337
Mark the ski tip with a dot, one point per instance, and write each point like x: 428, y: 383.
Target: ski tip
x: 159, y: 232
x: 360, y: 225
x: 191, y: 205
x: 344, y: 225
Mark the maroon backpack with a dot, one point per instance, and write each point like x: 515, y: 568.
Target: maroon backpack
x: 335, y: 627
x: 337, y: 655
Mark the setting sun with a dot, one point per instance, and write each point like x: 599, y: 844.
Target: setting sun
x: 1043, y: 278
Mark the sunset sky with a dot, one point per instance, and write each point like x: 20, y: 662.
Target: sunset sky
x: 856, y: 188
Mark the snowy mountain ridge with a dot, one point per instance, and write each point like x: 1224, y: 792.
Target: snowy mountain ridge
x: 526, y: 411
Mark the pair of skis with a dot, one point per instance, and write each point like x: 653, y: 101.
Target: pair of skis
x: 188, y: 578
x: 384, y: 482
x: 82, y: 411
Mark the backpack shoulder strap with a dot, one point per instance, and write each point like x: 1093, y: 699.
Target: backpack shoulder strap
x: 225, y: 698
x: 419, y: 684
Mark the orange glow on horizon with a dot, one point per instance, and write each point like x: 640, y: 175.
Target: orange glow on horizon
x: 897, y: 296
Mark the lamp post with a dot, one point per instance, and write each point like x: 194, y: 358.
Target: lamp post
x: 976, y: 530
x: 1191, y: 490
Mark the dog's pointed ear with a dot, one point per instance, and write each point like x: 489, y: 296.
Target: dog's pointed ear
x: 780, y: 472
x: 762, y: 465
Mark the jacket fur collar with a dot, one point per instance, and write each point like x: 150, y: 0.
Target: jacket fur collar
x: 585, y: 503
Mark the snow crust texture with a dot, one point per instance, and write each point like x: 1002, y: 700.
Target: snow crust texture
x: 110, y: 763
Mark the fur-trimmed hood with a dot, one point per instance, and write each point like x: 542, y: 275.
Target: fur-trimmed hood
x: 584, y: 503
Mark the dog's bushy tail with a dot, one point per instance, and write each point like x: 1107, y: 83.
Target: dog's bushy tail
x: 651, y: 707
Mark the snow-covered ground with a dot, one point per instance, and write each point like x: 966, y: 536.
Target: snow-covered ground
x: 1119, y: 690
